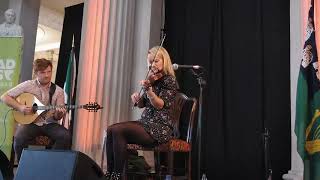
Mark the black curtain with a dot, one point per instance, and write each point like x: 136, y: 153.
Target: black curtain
x: 71, y: 31
x: 245, y: 48
x: 72, y: 25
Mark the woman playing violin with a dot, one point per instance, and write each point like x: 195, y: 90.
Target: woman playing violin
x: 155, y: 126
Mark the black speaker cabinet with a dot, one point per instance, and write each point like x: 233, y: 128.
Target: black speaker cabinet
x: 6, y: 170
x: 57, y: 165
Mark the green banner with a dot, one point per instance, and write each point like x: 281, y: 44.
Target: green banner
x: 10, y: 64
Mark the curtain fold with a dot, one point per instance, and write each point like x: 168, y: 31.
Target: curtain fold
x: 246, y: 53
x: 119, y: 53
x: 88, y: 127
x: 104, y: 71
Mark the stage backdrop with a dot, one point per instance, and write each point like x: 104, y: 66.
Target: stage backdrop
x: 10, y: 63
x: 245, y: 48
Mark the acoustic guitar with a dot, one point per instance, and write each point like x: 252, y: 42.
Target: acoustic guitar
x: 42, y: 111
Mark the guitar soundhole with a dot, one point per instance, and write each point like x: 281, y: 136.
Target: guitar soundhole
x: 34, y: 108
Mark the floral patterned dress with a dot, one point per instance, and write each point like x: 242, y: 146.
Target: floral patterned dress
x: 158, y: 123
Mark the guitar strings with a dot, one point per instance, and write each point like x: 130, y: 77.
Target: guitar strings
x: 5, y: 129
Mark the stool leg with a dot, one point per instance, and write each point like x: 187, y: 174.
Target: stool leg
x: 170, y: 162
x: 103, y: 153
x: 189, y: 165
x: 157, y: 164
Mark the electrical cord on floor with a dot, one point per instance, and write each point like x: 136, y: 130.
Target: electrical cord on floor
x: 5, y: 129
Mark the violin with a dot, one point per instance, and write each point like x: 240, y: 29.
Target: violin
x: 153, y: 77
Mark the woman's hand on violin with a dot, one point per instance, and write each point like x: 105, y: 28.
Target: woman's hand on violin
x: 135, y: 97
x: 145, y: 84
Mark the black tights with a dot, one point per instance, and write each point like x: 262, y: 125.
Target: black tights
x: 118, y: 136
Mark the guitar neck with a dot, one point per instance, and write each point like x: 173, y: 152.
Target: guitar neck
x: 64, y: 106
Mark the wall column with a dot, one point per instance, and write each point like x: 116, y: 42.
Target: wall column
x: 27, y: 13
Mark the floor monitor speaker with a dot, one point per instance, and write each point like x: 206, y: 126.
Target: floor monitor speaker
x: 6, y: 171
x: 57, y: 165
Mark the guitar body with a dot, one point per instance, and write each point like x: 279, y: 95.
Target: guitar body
x: 29, y: 100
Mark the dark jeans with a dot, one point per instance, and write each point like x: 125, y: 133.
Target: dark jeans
x: 118, y: 136
x: 26, y: 133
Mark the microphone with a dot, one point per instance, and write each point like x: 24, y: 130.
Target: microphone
x: 178, y: 66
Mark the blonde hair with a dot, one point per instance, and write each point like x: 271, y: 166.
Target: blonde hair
x: 164, y: 55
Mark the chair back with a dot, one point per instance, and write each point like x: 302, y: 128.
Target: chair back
x: 184, y: 112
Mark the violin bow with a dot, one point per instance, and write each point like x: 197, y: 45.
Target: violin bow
x: 149, y: 69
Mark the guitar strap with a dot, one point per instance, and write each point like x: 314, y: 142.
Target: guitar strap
x: 51, y: 92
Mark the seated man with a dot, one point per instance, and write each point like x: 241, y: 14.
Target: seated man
x: 9, y: 28
x: 47, y: 93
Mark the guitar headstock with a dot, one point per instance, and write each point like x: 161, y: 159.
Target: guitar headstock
x: 92, y: 107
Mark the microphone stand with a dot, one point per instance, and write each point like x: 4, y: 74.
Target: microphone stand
x: 201, y: 83
x: 267, y: 159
